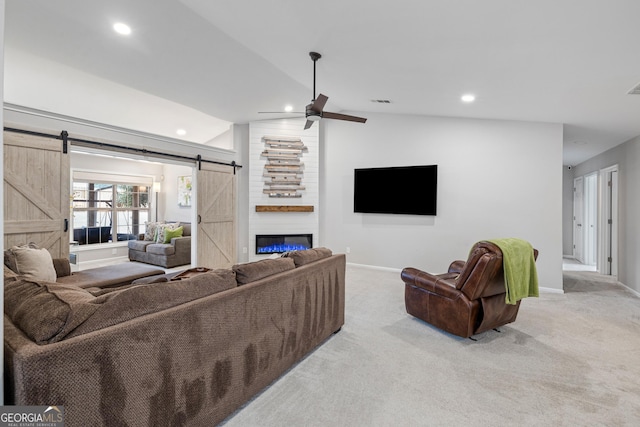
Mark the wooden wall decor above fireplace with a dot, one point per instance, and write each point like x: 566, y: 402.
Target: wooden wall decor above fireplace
x: 284, y: 169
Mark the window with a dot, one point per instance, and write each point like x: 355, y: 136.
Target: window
x: 109, y: 208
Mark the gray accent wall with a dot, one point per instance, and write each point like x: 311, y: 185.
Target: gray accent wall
x: 627, y: 157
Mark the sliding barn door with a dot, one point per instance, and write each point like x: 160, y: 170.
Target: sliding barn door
x: 36, y: 193
x: 216, y: 186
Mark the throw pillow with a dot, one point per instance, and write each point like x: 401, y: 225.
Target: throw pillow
x: 170, y: 234
x: 150, y: 230
x: 162, y: 228
x: 33, y: 263
x: 10, y: 258
x: 47, y: 312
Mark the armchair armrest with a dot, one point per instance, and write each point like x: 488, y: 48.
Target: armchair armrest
x: 62, y: 267
x: 441, y: 284
x: 457, y: 266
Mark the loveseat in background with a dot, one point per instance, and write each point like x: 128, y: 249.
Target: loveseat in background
x: 168, y: 255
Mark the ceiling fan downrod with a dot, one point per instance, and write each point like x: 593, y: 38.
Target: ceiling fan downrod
x: 314, y: 57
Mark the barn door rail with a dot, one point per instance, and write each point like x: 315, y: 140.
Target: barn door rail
x: 66, y: 139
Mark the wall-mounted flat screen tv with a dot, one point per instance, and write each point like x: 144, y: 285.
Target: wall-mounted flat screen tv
x: 409, y: 190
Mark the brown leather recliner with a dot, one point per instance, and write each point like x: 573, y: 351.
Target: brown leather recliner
x: 467, y: 300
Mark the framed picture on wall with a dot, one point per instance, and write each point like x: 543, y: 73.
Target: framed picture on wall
x: 184, y: 191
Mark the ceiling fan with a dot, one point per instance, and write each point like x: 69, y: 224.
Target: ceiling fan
x: 315, y: 110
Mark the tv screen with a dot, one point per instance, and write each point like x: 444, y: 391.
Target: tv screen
x: 410, y: 190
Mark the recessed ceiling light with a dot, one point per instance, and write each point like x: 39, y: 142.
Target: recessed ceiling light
x: 181, y: 132
x: 468, y: 98
x: 121, y: 28
x: 288, y: 108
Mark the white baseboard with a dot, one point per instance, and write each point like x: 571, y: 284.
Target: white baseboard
x: 551, y: 290
x: 398, y: 270
x: 375, y: 267
x: 633, y: 291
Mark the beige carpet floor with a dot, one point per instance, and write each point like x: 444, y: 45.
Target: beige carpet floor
x: 570, y: 359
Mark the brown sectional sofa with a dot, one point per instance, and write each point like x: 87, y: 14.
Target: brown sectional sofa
x: 186, y: 352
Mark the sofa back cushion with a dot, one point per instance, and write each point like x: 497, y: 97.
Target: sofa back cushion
x: 135, y: 301
x: 308, y: 255
x: 49, y: 312
x: 252, y: 271
x: 31, y: 262
x: 46, y: 312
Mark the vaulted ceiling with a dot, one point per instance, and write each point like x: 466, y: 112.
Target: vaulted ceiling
x: 207, y: 64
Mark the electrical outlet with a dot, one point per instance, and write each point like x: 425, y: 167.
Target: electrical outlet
x: 348, y: 250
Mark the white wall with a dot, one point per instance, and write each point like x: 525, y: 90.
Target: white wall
x: 170, y: 210
x: 241, y: 145
x: 627, y: 157
x: 495, y: 179
x: 74, y: 93
x: 283, y: 222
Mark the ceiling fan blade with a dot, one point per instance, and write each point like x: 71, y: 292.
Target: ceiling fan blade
x: 308, y: 124
x: 280, y: 112
x: 319, y: 103
x: 338, y: 116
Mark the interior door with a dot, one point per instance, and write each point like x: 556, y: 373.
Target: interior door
x: 216, y: 201
x: 612, y: 223
x: 36, y: 192
x: 590, y: 218
x: 578, y: 219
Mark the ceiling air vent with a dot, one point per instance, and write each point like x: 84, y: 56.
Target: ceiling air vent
x: 635, y: 90
x: 386, y: 101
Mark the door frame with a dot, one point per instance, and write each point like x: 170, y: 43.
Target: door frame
x: 608, y: 230
x: 578, y: 218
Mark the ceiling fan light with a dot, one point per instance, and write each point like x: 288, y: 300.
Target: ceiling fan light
x: 314, y: 118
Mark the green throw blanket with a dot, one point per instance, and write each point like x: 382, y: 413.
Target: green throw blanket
x: 520, y: 274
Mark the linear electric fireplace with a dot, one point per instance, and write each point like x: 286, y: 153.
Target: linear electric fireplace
x: 278, y: 243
